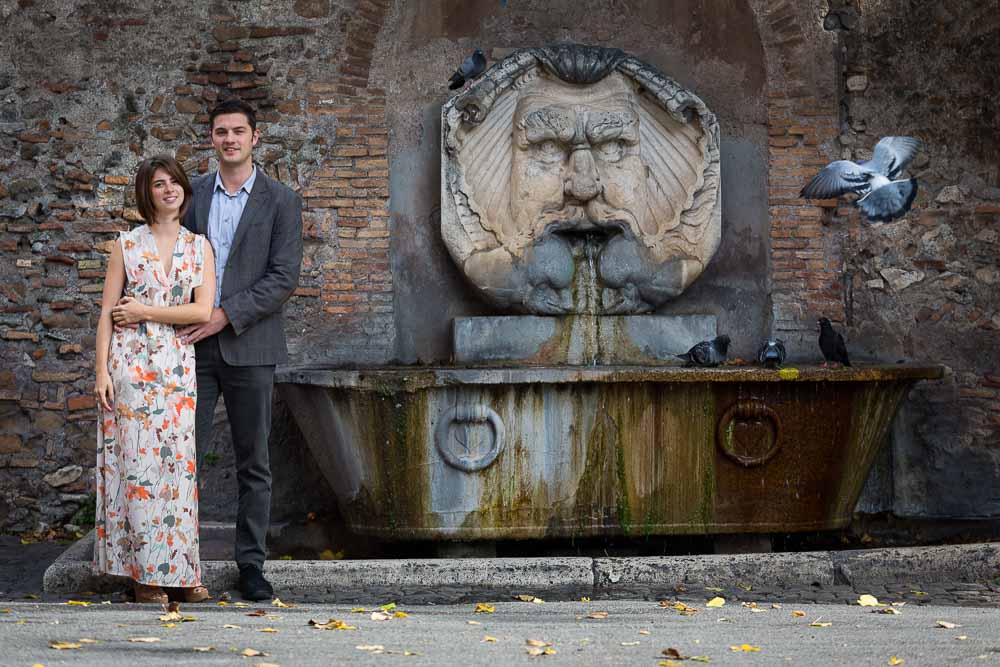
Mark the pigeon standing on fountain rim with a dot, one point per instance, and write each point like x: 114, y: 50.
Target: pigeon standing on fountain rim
x: 707, y: 352
x: 882, y: 199
x: 831, y: 343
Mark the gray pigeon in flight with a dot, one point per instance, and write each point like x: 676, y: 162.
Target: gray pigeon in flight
x: 471, y: 67
x: 882, y: 198
x: 707, y: 352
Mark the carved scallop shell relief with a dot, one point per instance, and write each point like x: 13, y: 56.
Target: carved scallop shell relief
x: 578, y: 179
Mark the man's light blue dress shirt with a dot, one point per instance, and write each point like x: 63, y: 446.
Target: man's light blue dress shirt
x: 223, y: 219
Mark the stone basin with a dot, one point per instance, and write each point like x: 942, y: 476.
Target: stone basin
x: 512, y: 453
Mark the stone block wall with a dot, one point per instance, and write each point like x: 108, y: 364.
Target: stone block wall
x: 349, y: 94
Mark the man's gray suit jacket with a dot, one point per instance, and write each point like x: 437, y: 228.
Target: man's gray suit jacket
x: 262, y: 271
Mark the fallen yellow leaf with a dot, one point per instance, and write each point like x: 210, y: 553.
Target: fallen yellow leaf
x: 278, y: 603
x: 643, y: 632
x: 168, y: 625
x: 473, y: 622
x: 62, y: 646
x: 700, y: 658
x: 893, y: 660
x: 245, y: 604
x: 202, y: 649
x: 483, y: 608
x: 745, y: 648
x: 87, y: 641
x: 529, y: 598
x: 171, y: 616
x: 536, y: 642
x: 358, y: 610
x: 714, y: 589
x: 715, y: 602
x: 267, y: 630
x: 597, y: 614
x: 585, y: 599
x: 252, y: 653
x: 962, y: 638
x: 144, y: 640
x: 798, y: 613
x: 746, y: 587
x: 868, y: 601
x: 818, y: 624
x: 230, y: 626
x: 667, y: 663
x: 399, y: 614
x: 630, y: 643
x: 487, y: 638
x: 371, y: 648
x: 78, y: 603
x: 380, y: 616
x: 888, y: 610
x: 788, y: 373
x: 332, y: 624
x: 947, y: 625
x: 388, y: 606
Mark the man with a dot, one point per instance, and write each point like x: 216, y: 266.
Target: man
x: 255, y: 226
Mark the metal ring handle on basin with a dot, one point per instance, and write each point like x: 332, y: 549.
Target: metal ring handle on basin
x: 472, y: 414
x: 752, y: 410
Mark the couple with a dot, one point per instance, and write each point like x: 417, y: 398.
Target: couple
x: 199, y: 317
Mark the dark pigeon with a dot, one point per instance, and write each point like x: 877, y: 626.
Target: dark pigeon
x: 882, y: 198
x: 707, y: 352
x: 772, y: 353
x: 471, y: 67
x: 832, y: 344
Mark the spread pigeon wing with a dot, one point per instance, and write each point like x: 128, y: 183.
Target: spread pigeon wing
x: 892, y: 154
x: 889, y: 201
x: 835, y: 179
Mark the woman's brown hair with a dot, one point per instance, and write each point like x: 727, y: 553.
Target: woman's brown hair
x: 144, y: 185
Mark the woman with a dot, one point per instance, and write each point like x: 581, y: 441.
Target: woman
x: 147, y: 490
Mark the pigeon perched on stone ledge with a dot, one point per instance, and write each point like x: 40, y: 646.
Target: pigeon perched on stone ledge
x: 707, y: 352
x: 471, y: 67
x: 882, y: 199
x: 831, y: 344
x: 772, y: 353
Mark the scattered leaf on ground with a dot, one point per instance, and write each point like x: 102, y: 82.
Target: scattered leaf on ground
x: 680, y: 607
x: 700, y: 658
x: 597, y: 614
x: 380, y: 616
x: 265, y: 664
x: 487, y: 638
x: 888, y: 610
x: 529, y: 598
x: 245, y: 604
x: 643, y: 632
x: 252, y: 653
x: 388, y: 606
x: 29, y: 596
x: 797, y: 614
x: 62, y: 646
x: 898, y: 604
x: 87, y: 641
x: 171, y: 616
x: 144, y: 640
x: 536, y: 642
x: 745, y: 648
x: 630, y: 643
x: 399, y: 614
x: 775, y: 605
x: 168, y: 625
x: 869, y: 601
x: 332, y: 624
x: 584, y: 599
x: 267, y: 630
x: 78, y: 603
x: 548, y: 650
x: 483, y: 608
x: 278, y: 603
x: 202, y: 649
x: 714, y: 589
x: 947, y: 625
x: 358, y: 610
x: 820, y: 624
x: 746, y: 587
x: 668, y: 663
x: 230, y: 626
x: 716, y: 602
x: 919, y: 592
x: 893, y: 660
x: 371, y: 648
x: 473, y: 622
x: 257, y: 612
x: 962, y: 638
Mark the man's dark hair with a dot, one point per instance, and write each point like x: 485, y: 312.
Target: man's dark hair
x: 233, y: 105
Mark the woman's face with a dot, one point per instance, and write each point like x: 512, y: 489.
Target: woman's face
x: 168, y: 195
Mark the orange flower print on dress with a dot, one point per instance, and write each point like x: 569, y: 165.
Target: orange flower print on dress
x: 146, y: 476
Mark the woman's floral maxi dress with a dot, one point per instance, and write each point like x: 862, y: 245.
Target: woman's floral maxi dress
x: 147, y: 489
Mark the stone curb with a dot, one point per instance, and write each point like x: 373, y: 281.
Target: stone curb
x: 457, y: 579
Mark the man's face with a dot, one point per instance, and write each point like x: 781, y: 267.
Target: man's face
x: 576, y: 163
x: 233, y: 139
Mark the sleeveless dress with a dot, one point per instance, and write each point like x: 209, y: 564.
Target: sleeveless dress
x: 147, y: 487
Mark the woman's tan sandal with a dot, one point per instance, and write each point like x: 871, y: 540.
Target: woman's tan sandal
x: 195, y: 594
x: 144, y: 593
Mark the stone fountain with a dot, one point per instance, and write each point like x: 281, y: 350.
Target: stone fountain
x: 581, y: 192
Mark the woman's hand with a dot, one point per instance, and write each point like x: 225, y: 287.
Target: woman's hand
x: 105, y: 390
x: 128, y: 311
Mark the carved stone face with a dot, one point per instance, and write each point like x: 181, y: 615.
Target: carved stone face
x: 579, y: 180
x: 576, y: 164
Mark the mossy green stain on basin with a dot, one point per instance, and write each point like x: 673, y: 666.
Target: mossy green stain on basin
x: 624, y: 451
